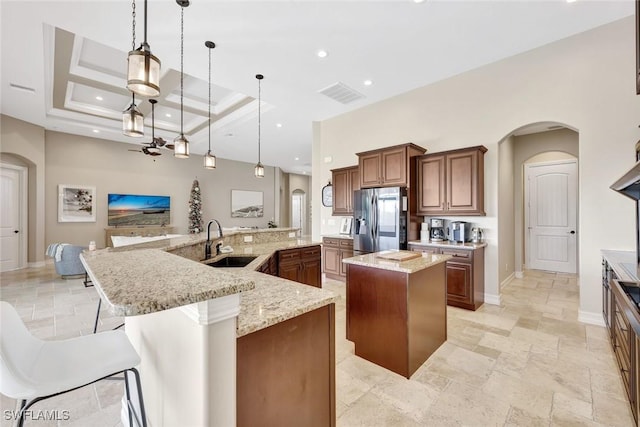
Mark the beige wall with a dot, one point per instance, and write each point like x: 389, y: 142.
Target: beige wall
x: 585, y: 82
x: 108, y: 166
x: 506, y: 229
x: 23, y: 143
x: 538, y: 147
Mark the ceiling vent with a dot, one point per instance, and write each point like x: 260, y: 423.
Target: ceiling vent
x: 342, y: 93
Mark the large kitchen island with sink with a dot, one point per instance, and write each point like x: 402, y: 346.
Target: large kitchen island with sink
x: 225, y: 346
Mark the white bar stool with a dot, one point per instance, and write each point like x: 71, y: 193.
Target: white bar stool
x: 32, y: 370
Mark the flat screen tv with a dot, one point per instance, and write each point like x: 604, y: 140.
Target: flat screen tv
x: 126, y: 210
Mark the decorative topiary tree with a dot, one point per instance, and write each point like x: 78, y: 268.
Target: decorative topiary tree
x: 195, y: 209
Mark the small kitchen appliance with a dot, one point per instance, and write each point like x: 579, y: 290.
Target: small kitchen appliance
x: 477, y: 235
x: 459, y: 231
x: 436, y: 232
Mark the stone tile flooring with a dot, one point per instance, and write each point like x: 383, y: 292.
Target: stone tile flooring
x: 527, y: 362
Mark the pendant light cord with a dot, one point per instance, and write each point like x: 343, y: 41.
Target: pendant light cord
x: 259, y: 116
x: 145, y: 22
x: 133, y: 24
x: 181, y: 68
x: 210, y: 100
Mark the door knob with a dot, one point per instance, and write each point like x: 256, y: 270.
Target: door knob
x: 572, y: 232
x: 16, y: 231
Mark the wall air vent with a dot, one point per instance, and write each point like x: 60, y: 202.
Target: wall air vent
x: 341, y: 92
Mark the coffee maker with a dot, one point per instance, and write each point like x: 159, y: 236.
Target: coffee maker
x: 436, y: 232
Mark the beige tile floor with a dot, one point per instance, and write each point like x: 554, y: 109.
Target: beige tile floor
x: 527, y: 362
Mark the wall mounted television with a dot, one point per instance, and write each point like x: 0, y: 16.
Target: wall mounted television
x: 127, y: 210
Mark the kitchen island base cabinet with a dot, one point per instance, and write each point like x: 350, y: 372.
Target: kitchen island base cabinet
x: 286, y: 373
x: 396, y: 319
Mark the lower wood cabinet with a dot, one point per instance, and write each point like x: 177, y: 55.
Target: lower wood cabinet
x: 334, y: 250
x: 301, y: 265
x: 465, y: 275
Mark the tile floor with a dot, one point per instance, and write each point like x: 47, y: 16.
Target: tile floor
x: 527, y: 362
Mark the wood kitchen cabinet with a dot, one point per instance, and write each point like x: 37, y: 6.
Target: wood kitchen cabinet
x: 334, y: 250
x: 387, y: 167
x: 345, y: 181
x: 301, y: 265
x: 451, y: 182
x: 465, y: 275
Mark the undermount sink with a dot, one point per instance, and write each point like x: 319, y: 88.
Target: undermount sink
x: 233, y: 261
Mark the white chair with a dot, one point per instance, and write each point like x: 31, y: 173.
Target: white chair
x: 32, y: 369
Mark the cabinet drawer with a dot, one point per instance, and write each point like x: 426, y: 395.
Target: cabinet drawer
x: 289, y: 255
x: 330, y: 241
x: 424, y: 249
x: 458, y: 253
x: 346, y: 243
x: 311, y: 252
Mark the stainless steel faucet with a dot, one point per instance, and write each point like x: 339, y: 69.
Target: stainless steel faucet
x: 207, y: 246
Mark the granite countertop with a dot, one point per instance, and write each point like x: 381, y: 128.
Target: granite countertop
x: 624, y: 263
x: 338, y: 236
x: 137, y: 279
x: 409, y: 266
x: 449, y: 245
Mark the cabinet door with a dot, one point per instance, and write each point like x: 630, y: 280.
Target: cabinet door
x: 370, y: 172
x: 394, y: 167
x: 354, y: 182
x: 290, y: 271
x: 310, y: 274
x: 431, y: 185
x: 463, y: 192
x: 331, y: 260
x: 459, y: 291
x: 341, y: 196
x: 344, y: 253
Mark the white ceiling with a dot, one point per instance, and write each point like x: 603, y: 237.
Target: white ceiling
x: 69, y: 52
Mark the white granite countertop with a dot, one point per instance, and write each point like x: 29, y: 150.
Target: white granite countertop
x: 338, y: 236
x: 624, y: 264
x: 448, y: 245
x: 135, y: 280
x: 409, y: 266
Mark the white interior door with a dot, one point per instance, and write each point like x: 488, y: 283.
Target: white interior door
x: 12, y: 232
x: 551, y: 195
x: 298, y: 213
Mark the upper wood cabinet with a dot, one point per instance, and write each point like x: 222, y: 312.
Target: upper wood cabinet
x: 387, y: 167
x: 451, y: 182
x: 344, y: 181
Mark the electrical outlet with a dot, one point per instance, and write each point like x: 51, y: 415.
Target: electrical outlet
x: 248, y: 239
x: 292, y: 234
x: 248, y: 250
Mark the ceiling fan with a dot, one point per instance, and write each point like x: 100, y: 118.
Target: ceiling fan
x: 153, y: 148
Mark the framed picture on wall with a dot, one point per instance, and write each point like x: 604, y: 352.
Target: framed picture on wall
x: 246, y: 204
x: 76, y: 203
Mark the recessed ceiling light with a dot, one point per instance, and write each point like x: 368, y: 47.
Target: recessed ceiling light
x: 322, y: 53
x: 99, y: 98
x: 96, y: 131
x: 418, y: 1
x: 571, y: 1
x: 367, y: 82
x: 279, y: 125
x: 297, y: 158
x: 167, y: 115
x: 304, y: 172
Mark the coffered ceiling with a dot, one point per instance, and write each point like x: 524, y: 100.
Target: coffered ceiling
x: 64, y: 63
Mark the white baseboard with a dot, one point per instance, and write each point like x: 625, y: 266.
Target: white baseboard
x: 36, y: 264
x: 519, y: 274
x: 492, y: 299
x: 591, y: 318
x: 508, y: 280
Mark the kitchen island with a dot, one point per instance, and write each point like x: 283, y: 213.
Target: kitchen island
x: 396, y: 310
x: 222, y: 346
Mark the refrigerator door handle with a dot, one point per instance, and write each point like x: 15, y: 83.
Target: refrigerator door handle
x: 373, y: 219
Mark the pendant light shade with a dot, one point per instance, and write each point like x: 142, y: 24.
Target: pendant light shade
x: 209, y: 158
x: 259, y: 169
x: 181, y: 143
x: 133, y: 120
x: 143, y: 72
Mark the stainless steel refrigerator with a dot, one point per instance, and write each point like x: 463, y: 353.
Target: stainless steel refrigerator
x: 380, y: 219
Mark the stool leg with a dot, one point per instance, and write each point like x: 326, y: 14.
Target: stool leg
x: 95, y: 325
x: 21, y: 418
x: 128, y: 394
x: 143, y: 414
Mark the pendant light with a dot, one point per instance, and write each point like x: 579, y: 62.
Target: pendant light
x: 132, y: 118
x: 181, y: 144
x: 209, y: 159
x: 259, y: 169
x: 143, y: 73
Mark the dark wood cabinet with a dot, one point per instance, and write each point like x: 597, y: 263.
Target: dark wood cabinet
x: 465, y: 275
x: 269, y: 266
x: 387, y: 167
x: 345, y: 181
x: 301, y: 265
x: 451, y: 182
x: 334, y: 250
